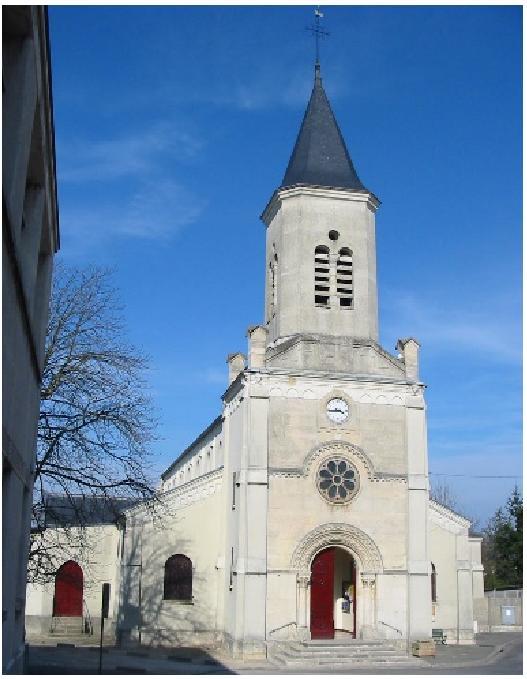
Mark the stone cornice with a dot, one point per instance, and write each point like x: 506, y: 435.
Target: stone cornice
x: 347, y: 377
x: 234, y: 387
x: 337, y: 447
x: 201, y: 437
x: 356, y: 342
x: 334, y: 193
x: 186, y: 494
x: 444, y: 515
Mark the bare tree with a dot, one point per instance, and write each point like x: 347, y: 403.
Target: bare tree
x: 442, y: 493
x: 96, y: 417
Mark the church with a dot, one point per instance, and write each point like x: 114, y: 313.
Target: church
x: 303, y: 511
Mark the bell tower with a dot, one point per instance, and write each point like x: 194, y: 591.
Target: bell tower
x: 320, y: 244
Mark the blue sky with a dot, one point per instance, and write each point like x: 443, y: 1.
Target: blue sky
x: 175, y: 124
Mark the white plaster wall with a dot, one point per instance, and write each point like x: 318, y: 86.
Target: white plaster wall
x: 99, y: 563
x: 443, y: 555
x: 455, y: 556
x: 194, y: 530
x: 298, y: 420
x: 392, y: 602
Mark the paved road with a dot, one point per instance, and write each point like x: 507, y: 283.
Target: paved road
x: 494, y: 654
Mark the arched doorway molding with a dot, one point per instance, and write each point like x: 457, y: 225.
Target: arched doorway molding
x: 355, y: 541
x: 369, y: 562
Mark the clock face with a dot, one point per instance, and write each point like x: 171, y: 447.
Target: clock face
x: 337, y: 410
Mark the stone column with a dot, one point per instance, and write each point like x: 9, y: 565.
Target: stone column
x: 303, y: 582
x: 367, y: 607
x: 465, y: 617
x: 418, y: 562
x: 251, y: 558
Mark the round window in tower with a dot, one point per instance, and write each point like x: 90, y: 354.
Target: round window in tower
x: 337, y: 480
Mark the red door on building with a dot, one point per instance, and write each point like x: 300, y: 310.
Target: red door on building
x: 322, y: 602
x: 68, y: 590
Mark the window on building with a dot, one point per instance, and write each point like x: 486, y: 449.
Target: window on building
x: 433, y: 584
x: 345, y: 278
x: 322, y: 275
x: 178, y: 578
x: 273, y: 284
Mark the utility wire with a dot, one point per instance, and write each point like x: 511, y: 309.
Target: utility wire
x: 476, y: 476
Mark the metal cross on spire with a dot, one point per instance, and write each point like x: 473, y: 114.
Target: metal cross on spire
x: 318, y: 33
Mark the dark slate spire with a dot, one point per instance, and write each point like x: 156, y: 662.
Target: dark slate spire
x: 320, y: 156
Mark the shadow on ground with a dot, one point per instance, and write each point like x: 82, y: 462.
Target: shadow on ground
x: 69, y: 659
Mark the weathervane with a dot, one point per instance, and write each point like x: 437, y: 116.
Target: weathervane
x: 317, y: 32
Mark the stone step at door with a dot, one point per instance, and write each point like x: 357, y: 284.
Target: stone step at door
x: 308, y: 654
x: 66, y: 625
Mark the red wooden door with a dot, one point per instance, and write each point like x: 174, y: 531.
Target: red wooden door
x: 68, y: 590
x: 322, y: 602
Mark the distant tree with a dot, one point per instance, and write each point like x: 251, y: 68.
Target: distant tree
x: 502, y: 547
x: 96, y: 417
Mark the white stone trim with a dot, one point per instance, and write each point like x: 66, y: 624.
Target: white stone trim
x: 187, y: 494
x: 337, y: 448
x: 354, y: 540
x: 446, y: 518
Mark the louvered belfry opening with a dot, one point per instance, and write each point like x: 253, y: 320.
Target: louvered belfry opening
x: 345, y: 278
x: 322, y: 275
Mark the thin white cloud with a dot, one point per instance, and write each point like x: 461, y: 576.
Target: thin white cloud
x: 156, y: 210
x: 159, y: 209
x: 138, y: 152
x: 493, y: 330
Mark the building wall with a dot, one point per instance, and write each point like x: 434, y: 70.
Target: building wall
x: 458, y: 566
x: 188, y: 522
x: 500, y: 611
x: 98, y: 558
x: 374, y: 440
x: 204, y: 455
x: 29, y: 240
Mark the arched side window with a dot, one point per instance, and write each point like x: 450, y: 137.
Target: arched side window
x: 273, y: 284
x: 345, y: 278
x: 178, y: 578
x: 322, y: 276
x: 433, y: 584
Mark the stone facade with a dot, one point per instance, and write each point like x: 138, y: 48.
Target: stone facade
x: 30, y: 239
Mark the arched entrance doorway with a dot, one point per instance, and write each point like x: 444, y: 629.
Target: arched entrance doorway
x: 333, y: 602
x: 367, y: 563
x: 67, y: 601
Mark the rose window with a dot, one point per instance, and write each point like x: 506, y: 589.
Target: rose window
x: 337, y: 480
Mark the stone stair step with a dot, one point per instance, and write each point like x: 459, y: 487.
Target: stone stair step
x: 373, y: 660
x: 66, y: 626
x: 351, y: 653
x: 343, y: 654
